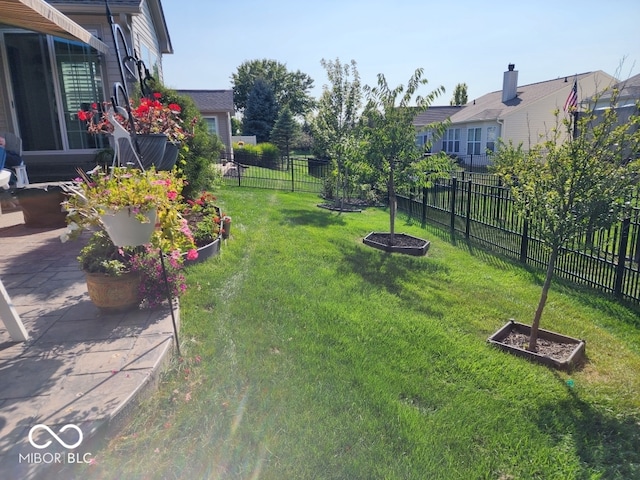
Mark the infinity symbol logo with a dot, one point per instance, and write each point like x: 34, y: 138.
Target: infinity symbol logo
x: 60, y: 441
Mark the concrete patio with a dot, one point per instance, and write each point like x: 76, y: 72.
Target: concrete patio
x: 78, y: 367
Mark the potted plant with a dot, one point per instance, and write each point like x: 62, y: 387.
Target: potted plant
x: 96, y: 197
x: 205, y: 222
x: 158, y: 127
x: 112, y: 284
x: 119, y: 279
x: 142, y: 199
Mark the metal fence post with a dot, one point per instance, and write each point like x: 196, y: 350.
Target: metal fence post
x: 454, y: 187
x: 424, y: 206
x: 467, y: 227
x: 524, y: 244
x: 622, y: 257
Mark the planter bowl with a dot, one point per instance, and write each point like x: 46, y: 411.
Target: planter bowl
x: 114, y: 294
x: 576, y: 357
x: 404, y: 243
x: 125, y: 230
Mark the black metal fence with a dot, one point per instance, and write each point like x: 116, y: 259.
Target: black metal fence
x: 478, y: 207
x: 294, y: 174
x: 484, y: 213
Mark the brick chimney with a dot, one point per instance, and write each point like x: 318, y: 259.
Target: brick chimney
x: 510, y: 84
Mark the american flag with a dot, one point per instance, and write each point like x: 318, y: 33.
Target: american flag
x: 572, y: 100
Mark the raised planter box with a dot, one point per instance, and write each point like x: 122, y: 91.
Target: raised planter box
x: 576, y: 356
x: 403, y: 243
x: 207, y: 251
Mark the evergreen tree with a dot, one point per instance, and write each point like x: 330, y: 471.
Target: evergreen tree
x: 261, y: 112
x: 284, y: 131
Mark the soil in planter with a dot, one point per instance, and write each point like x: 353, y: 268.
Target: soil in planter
x: 557, y: 351
x: 399, y: 240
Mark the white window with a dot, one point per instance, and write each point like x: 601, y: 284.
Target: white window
x: 473, y: 141
x: 451, y: 140
x: 492, y: 136
x: 212, y: 124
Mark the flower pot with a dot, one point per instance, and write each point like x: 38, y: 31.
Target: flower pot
x: 226, y: 228
x: 41, y: 207
x: 112, y: 294
x: 170, y: 156
x: 125, y: 230
x: 152, y: 148
x: 206, y: 251
x: 574, y: 347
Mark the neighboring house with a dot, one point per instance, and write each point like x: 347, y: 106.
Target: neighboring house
x: 627, y: 100
x: 46, y: 79
x: 432, y: 115
x: 216, y: 107
x: 521, y: 114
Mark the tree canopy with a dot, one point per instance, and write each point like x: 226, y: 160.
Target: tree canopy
x: 578, y: 179
x: 459, y: 95
x: 391, y: 136
x: 290, y: 89
x: 261, y: 112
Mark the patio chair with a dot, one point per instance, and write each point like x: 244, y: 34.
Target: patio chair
x: 14, y: 144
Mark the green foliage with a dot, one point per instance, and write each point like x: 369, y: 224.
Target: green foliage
x: 261, y: 112
x: 198, y: 153
x: 100, y: 255
x: 285, y: 131
x: 392, y: 152
x: 262, y: 155
x: 459, y: 95
x: 291, y: 89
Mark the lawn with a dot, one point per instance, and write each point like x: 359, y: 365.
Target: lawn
x: 307, y: 355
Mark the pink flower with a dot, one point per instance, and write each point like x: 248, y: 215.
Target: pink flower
x: 192, y: 254
x: 172, y: 195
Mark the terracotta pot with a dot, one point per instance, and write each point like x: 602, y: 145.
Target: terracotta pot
x: 112, y: 294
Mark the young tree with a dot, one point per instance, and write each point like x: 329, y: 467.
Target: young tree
x: 393, y: 151
x: 338, y: 113
x: 285, y: 131
x: 290, y: 89
x: 261, y: 112
x: 573, y: 181
x: 459, y: 95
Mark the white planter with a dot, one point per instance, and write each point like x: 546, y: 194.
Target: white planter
x: 125, y: 230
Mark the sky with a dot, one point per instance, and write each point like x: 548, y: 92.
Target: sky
x: 462, y: 41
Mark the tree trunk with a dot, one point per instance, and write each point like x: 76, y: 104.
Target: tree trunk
x: 533, y: 339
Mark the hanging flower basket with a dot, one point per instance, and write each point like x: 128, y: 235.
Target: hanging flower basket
x: 125, y: 228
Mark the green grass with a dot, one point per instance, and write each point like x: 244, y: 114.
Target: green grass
x: 307, y: 355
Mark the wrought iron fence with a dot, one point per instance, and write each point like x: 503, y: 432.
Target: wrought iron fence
x: 607, y: 259
x: 294, y: 174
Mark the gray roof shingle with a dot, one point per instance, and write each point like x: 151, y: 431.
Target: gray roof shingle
x: 435, y: 114
x: 491, y: 106
x: 209, y: 101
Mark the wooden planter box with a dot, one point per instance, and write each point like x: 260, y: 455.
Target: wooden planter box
x: 576, y: 357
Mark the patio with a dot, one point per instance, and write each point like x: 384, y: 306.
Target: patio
x: 78, y: 367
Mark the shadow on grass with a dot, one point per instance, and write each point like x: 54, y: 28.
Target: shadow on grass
x: 607, y: 446
x: 321, y: 218
x: 418, y: 280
